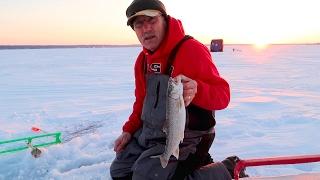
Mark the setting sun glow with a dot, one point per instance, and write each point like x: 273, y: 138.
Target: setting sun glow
x: 260, y: 45
x: 104, y: 22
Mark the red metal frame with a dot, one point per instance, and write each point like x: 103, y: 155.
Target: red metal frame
x: 274, y: 161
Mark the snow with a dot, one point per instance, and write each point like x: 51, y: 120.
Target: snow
x: 303, y: 176
x: 87, y: 94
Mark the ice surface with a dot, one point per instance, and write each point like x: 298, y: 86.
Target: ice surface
x: 87, y: 94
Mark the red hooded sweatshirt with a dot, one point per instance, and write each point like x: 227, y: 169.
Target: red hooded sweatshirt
x: 193, y: 60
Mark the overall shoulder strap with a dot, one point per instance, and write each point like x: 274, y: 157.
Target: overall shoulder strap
x: 173, y: 53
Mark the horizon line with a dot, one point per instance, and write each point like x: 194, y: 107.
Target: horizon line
x: 48, y: 46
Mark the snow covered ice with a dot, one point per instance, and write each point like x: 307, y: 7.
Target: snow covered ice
x: 87, y: 94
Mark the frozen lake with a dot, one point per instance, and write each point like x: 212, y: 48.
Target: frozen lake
x: 87, y: 94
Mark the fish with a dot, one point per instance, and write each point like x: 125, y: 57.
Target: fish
x: 174, y: 124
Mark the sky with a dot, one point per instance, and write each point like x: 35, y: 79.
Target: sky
x: 39, y: 22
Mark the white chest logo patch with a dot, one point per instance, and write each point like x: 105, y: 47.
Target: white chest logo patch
x: 156, y: 67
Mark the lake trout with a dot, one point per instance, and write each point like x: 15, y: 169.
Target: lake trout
x: 174, y: 124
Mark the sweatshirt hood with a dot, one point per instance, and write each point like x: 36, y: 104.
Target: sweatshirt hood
x: 174, y: 34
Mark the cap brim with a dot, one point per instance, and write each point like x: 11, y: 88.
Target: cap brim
x: 147, y: 12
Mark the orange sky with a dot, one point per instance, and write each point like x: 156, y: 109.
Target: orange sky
x: 104, y: 21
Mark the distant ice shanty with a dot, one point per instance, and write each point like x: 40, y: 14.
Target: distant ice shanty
x: 216, y: 45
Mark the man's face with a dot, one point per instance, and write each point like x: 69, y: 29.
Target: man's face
x: 150, y: 31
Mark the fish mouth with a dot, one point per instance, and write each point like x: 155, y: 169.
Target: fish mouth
x: 175, y: 81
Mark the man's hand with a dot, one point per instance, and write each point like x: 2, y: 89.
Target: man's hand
x: 121, y: 141
x: 189, y: 89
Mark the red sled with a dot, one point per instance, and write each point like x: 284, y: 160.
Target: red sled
x: 241, y: 164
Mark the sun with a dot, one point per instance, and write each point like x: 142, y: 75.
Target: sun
x: 261, y: 45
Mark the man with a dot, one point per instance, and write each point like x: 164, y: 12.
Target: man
x: 167, y: 52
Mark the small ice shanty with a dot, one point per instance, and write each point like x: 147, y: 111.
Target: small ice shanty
x: 216, y: 45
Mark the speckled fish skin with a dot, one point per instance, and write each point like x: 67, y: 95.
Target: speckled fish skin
x: 175, y: 121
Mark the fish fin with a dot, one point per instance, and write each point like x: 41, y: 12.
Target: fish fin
x: 163, y: 160
x: 165, y: 127
x: 176, y: 153
x: 181, y: 137
x: 180, y: 104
